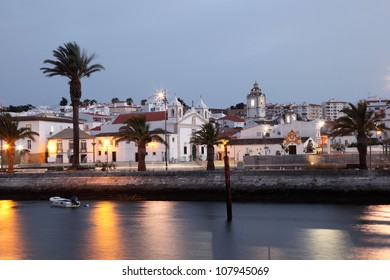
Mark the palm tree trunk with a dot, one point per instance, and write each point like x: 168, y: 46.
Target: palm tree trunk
x: 10, y: 155
x: 76, y: 137
x: 362, y: 149
x: 141, y: 157
x: 75, y: 95
x: 210, y: 157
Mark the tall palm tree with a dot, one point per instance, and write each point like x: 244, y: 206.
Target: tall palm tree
x: 137, y: 130
x: 10, y: 133
x: 73, y: 63
x: 207, y: 135
x: 360, y: 122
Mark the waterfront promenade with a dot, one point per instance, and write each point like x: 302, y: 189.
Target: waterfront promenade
x: 192, y: 182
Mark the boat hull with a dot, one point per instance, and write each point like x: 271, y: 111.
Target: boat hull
x: 64, y: 202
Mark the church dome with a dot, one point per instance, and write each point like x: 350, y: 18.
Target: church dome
x: 255, y: 91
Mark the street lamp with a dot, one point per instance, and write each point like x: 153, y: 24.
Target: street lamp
x: 93, y: 145
x: 369, y: 135
x: 163, y: 97
x: 320, y: 125
x: 107, y: 144
x: 1, y: 150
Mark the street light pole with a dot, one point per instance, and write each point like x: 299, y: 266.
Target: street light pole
x: 166, y: 140
x: 163, y: 97
x: 93, y: 145
x: 369, y: 134
x: 1, y: 149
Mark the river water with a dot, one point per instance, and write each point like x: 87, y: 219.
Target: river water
x: 118, y: 230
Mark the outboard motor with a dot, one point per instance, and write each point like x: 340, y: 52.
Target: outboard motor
x: 74, y: 200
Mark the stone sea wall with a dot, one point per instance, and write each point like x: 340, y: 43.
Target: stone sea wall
x: 321, y: 186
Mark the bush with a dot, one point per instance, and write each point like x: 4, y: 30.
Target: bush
x: 106, y: 166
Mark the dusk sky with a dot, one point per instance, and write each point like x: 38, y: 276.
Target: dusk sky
x: 297, y: 51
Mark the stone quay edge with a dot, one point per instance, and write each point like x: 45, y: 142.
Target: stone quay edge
x: 308, y: 186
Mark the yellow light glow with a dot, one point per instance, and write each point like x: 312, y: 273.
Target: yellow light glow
x: 51, y: 148
x: 5, y: 146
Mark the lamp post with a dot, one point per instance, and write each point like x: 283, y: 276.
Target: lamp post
x: 227, y: 183
x: 93, y: 145
x: 107, y: 144
x: 163, y: 97
x: 1, y: 149
x: 369, y: 135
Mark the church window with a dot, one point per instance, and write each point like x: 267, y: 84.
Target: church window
x: 252, y: 102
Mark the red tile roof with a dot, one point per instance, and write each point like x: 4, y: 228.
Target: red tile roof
x: 150, y: 117
x: 232, y: 118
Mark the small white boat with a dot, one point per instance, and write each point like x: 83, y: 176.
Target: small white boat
x: 57, y: 201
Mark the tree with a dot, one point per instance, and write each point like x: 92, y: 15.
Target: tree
x: 309, y: 147
x: 10, y: 133
x: 182, y: 102
x: 63, y: 101
x: 115, y: 100
x: 137, y: 130
x: 129, y: 101
x: 75, y: 64
x: 19, y: 108
x: 360, y: 122
x: 207, y: 135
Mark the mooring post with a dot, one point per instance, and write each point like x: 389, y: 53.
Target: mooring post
x: 227, y: 181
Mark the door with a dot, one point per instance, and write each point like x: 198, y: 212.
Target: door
x: 113, y: 156
x: 193, y: 153
x: 292, y: 150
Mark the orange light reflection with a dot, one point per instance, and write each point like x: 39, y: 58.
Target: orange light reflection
x: 10, y: 238
x: 105, y: 237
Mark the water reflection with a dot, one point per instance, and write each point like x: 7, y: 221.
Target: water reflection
x: 105, y: 234
x: 11, y: 240
x: 374, y: 226
x: 193, y: 230
x: 325, y: 244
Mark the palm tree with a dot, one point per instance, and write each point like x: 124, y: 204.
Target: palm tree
x: 10, y: 133
x: 360, y: 122
x: 137, y: 130
x: 207, y: 135
x: 73, y: 63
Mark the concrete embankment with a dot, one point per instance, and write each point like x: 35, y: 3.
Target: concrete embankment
x: 321, y: 186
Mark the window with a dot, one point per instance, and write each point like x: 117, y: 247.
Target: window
x: 202, y: 150
x: 173, y: 139
x: 70, y: 144
x: 29, y: 144
x: 59, y: 147
x: 185, y: 150
x: 100, y: 153
x: 83, y: 146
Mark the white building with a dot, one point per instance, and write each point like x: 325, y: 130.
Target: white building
x: 332, y: 109
x: 60, y: 147
x: 36, y: 151
x: 179, y: 128
x: 309, y: 112
x: 230, y: 121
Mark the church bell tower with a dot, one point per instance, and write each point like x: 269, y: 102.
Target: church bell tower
x: 255, y: 103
